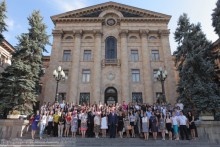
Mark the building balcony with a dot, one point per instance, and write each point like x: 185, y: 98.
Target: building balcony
x: 111, y: 62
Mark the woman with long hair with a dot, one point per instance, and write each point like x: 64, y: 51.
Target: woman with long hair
x: 120, y: 124
x: 192, y: 125
x: 84, y: 127
x: 145, y: 126
x: 68, y: 124
x: 61, y: 125
x: 43, y: 123
x: 34, y: 125
x: 154, y: 125
x: 169, y: 125
x: 74, y: 124
x: 132, y: 123
x: 162, y: 125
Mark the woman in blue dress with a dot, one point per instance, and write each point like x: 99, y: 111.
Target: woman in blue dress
x: 34, y: 125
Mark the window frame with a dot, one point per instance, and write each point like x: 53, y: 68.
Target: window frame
x: 134, y: 56
x: 66, y: 57
x: 135, y: 75
x: 86, y: 75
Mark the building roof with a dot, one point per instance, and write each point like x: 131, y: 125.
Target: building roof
x: 7, y: 46
x: 126, y: 12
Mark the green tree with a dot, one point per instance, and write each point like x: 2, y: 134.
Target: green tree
x: 18, y: 90
x: 216, y: 18
x: 2, y: 20
x: 197, y: 88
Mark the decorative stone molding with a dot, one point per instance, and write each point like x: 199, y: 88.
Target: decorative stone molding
x: 97, y: 33
x: 119, y: 14
x: 58, y: 33
x: 77, y: 33
x: 123, y: 33
x: 144, y: 33
x: 163, y: 32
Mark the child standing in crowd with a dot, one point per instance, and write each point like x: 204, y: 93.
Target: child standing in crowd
x: 145, y: 126
x: 104, y: 122
x: 74, y: 124
x: 97, y: 122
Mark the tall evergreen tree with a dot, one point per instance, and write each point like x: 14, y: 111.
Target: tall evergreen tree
x: 2, y: 20
x: 216, y: 18
x: 20, y: 80
x: 196, y: 87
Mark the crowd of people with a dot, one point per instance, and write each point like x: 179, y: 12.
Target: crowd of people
x: 114, y: 120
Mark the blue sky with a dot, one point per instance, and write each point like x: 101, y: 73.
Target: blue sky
x: 19, y: 10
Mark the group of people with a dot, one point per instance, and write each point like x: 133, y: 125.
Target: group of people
x: 123, y: 120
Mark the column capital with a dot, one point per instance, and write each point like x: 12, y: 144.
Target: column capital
x: 163, y: 32
x: 97, y: 33
x: 123, y: 33
x: 77, y: 33
x: 58, y: 33
x: 144, y: 33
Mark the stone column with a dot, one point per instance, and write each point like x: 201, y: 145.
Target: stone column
x: 97, y: 67
x: 146, y: 66
x: 170, y: 84
x: 75, y: 69
x: 124, y: 66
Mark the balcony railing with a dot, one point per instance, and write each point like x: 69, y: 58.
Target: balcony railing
x: 112, y: 62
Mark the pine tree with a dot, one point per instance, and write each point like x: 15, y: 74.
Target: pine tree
x: 2, y: 20
x: 20, y: 80
x: 196, y: 87
x: 216, y: 18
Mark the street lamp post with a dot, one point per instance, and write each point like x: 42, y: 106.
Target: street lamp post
x: 58, y: 75
x: 161, y: 76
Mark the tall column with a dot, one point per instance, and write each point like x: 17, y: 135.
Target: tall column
x: 97, y: 67
x: 170, y: 84
x: 148, y: 84
x: 75, y: 70
x: 124, y: 66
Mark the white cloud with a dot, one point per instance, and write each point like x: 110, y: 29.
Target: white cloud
x: 10, y: 24
x: 69, y: 5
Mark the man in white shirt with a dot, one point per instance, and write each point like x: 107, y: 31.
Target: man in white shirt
x: 180, y: 105
x: 183, y: 129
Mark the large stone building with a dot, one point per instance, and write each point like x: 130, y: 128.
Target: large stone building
x: 6, y: 51
x: 111, y: 53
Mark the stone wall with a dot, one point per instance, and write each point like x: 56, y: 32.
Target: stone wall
x: 209, y: 130
x: 11, y: 128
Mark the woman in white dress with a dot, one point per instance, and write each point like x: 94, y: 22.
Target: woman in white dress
x: 104, y: 123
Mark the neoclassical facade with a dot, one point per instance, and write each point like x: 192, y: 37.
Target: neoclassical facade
x: 110, y: 53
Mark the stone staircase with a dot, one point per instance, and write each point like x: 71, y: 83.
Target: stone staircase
x: 107, y: 142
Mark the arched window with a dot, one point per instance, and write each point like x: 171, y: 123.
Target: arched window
x: 152, y: 38
x: 111, y: 48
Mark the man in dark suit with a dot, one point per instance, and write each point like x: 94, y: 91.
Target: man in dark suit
x: 112, y: 121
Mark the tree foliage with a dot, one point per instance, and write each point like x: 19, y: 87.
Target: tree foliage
x: 196, y: 87
x: 216, y: 18
x: 20, y: 81
x: 2, y: 20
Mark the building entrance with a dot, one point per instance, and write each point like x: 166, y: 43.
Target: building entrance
x: 111, y: 95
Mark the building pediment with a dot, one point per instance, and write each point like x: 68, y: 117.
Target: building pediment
x: 124, y: 12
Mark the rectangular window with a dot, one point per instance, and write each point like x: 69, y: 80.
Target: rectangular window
x: 84, y: 98
x: 135, y: 75
x: 66, y: 71
x: 137, y: 97
x: 155, y: 55
x: 134, y: 55
x: 155, y: 74
x: 61, y: 97
x: 67, y: 55
x: 86, y: 75
x: 87, y: 56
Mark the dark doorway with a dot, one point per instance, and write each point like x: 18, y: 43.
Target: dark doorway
x: 110, y: 48
x: 111, y: 95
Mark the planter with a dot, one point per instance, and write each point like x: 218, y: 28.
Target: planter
x: 206, y: 116
x: 16, y: 116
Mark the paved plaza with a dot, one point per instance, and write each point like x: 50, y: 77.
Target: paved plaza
x: 107, y: 142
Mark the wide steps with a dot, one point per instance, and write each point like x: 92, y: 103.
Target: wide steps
x: 107, y: 142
